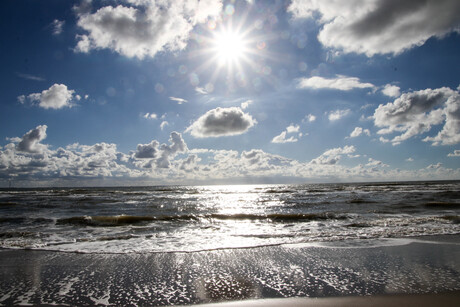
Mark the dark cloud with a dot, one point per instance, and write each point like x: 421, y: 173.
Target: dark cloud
x: 222, y: 122
x: 416, y: 112
x: 30, y: 142
x: 147, y: 151
x: 379, y: 27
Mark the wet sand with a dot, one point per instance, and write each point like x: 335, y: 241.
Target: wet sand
x: 415, y: 300
x: 366, y: 272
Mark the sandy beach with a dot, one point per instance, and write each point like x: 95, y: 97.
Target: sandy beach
x: 386, y: 271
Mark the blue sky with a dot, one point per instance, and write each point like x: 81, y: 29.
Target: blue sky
x: 195, y: 92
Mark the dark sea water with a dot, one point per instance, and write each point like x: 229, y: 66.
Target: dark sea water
x: 198, y: 218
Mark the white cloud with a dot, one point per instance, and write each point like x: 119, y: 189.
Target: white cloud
x: 150, y: 116
x: 338, y: 114
x: 332, y: 156
x: 417, y: 112
x: 379, y: 26
x: 163, y: 124
x: 168, y: 152
x: 373, y: 162
x: 144, y: 28
x: 358, y: 131
x: 456, y: 153
x: 292, y: 128
x: 201, y: 90
x: 342, y: 83
x: 56, y: 97
x: 221, y: 122
x: 434, y: 166
x: 151, y: 163
x: 178, y: 100
x: 57, y: 26
x: 30, y: 77
x: 282, y: 138
x: 245, y: 105
x: 391, y: 90
x: 310, y: 118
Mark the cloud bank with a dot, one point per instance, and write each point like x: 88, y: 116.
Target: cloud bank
x: 26, y: 160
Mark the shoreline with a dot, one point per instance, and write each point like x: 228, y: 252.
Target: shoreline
x: 298, y: 274
x: 450, y: 238
x: 416, y: 300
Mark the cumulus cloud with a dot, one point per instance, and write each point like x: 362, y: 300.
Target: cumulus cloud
x: 142, y: 28
x: 222, y: 122
x: 147, y: 151
x: 417, y: 112
x: 30, y: 142
x: 160, y: 155
x: 292, y: 128
x: 178, y: 100
x: 373, y: 162
x: 332, y: 156
x: 58, y: 96
x: 391, y: 90
x: 167, y: 152
x: 310, y: 118
x: 456, y: 153
x: 78, y: 164
x: 342, y: 83
x: 434, y: 166
x: 380, y: 26
x: 190, y: 164
x: 410, y: 159
x: 359, y: 131
x: 338, y: 114
x: 281, y: 138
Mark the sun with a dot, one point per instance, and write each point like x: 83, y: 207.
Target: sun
x: 229, y: 46
x: 234, y: 49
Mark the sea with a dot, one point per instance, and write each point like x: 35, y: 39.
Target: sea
x: 168, y: 219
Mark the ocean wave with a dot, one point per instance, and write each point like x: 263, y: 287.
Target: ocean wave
x: 455, y: 219
x: 117, y: 220
x: 8, y: 204
x: 442, y: 204
x: 18, y: 234
x: 24, y: 220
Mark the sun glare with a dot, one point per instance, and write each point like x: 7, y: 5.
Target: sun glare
x: 229, y: 47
